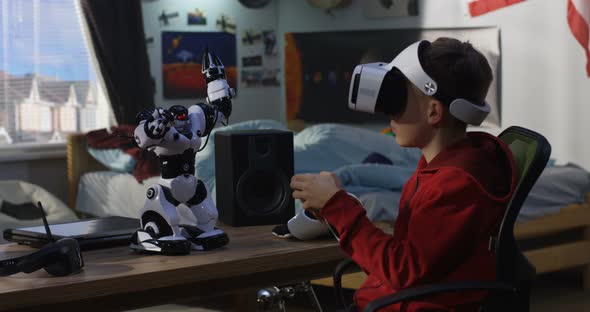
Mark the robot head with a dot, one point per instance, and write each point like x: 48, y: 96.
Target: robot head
x: 381, y: 87
x: 181, y: 121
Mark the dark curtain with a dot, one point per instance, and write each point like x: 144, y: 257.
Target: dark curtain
x: 116, y: 30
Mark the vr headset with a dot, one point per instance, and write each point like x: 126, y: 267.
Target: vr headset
x: 58, y: 258
x: 381, y: 87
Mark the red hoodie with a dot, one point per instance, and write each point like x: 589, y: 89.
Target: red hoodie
x: 449, y: 208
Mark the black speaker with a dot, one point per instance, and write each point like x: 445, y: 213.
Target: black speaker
x: 253, y: 169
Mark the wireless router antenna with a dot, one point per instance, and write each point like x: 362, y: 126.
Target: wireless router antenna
x: 47, y: 229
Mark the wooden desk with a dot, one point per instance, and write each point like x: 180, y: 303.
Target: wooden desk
x: 118, y: 278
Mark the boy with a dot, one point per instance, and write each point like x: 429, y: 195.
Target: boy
x: 451, y: 205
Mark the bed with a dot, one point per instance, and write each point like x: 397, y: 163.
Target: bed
x: 554, y: 239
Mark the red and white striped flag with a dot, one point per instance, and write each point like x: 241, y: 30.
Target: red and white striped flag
x: 578, y: 17
x: 479, y: 7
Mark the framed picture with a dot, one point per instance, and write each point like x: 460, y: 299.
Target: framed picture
x: 197, y: 17
x: 181, y: 61
x: 318, y: 68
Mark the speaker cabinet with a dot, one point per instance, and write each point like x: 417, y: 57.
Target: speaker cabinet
x: 253, y: 170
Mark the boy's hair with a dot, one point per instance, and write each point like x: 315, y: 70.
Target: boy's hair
x: 459, y: 70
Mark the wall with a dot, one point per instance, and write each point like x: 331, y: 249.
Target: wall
x: 252, y: 102
x: 544, y: 84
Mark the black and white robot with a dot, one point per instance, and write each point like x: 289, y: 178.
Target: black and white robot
x: 179, y: 213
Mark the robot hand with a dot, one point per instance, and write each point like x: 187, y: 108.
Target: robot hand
x: 219, y: 93
x: 158, y: 123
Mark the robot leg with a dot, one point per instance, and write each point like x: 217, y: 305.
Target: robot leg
x: 160, y: 231
x: 204, y: 235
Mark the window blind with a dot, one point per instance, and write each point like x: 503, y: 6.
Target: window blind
x: 48, y: 84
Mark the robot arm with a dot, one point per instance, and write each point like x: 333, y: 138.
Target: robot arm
x: 204, y: 117
x: 157, y: 128
x: 152, y: 128
x: 219, y: 93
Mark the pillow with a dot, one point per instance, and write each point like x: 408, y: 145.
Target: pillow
x: 24, y: 196
x: 327, y: 147
x: 113, y: 158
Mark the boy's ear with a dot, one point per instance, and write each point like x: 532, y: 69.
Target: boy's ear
x: 435, y: 111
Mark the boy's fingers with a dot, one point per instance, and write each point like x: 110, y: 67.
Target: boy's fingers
x: 297, y: 185
x: 296, y: 194
x: 297, y: 177
x: 305, y: 204
x: 301, y: 177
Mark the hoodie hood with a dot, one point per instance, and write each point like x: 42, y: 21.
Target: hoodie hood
x: 483, y: 156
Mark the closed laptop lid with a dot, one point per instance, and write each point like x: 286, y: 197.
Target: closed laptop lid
x: 90, y: 233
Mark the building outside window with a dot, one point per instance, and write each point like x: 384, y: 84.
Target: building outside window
x: 49, y: 87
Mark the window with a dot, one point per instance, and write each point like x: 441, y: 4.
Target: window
x: 48, y: 84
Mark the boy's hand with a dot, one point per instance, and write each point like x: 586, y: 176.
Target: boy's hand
x: 314, y: 190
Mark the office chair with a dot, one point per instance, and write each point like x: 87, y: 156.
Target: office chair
x: 514, y: 273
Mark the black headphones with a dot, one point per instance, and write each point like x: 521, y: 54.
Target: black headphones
x: 58, y: 258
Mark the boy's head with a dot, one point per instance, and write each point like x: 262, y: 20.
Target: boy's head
x: 460, y: 72
x: 459, y: 69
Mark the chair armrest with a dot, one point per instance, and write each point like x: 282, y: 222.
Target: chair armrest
x: 342, y: 267
x: 429, y: 290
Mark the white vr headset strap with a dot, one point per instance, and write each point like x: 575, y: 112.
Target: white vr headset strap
x: 409, y: 64
x: 468, y: 112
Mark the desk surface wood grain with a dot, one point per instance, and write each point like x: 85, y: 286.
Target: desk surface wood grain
x: 253, y: 256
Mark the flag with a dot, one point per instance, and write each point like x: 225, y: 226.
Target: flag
x: 578, y: 17
x: 479, y: 7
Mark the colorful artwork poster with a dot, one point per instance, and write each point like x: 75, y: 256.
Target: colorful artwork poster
x: 319, y: 66
x: 181, y: 62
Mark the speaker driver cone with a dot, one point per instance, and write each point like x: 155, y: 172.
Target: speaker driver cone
x: 262, y: 191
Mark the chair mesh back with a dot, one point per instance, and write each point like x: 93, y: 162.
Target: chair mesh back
x: 530, y: 151
x: 523, y: 151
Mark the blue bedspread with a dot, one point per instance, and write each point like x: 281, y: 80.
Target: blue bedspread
x: 332, y: 147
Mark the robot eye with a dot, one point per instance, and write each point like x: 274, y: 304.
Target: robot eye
x: 181, y: 117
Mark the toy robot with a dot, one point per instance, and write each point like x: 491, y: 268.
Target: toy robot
x: 179, y: 214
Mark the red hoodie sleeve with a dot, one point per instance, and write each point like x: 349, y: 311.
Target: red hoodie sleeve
x: 445, y: 224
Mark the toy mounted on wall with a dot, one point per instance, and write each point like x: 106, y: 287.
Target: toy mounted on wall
x: 254, y: 4
x: 329, y: 5
x: 226, y: 24
x: 250, y: 37
x: 164, y: 18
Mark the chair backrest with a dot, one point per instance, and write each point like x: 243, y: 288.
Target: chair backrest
x: 531, y: 152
